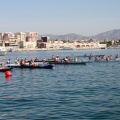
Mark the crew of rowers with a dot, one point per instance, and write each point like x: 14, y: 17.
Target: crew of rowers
x: 102, y: 57
x: 57, y: 59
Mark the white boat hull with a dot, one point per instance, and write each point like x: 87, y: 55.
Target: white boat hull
x: 2, y: 53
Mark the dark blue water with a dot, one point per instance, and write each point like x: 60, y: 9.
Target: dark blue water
x: 66, y: 92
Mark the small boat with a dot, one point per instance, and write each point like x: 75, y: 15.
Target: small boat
x: 10, y: 50
x: 4, y: 69
x: 103, y: 47
x: 67, y: 48
x: 3, y: 51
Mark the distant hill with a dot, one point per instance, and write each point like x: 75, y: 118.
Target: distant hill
x: 71, y: 36
x: 111, y: 35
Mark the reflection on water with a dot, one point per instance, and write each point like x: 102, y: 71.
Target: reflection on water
x: 8, y: 78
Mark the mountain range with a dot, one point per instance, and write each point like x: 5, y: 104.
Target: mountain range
x: 109, y: 35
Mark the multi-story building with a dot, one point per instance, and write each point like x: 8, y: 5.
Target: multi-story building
x: 31, y: 40
x: 21, y: 39
x: 50, y: 44
x: 1, y: 39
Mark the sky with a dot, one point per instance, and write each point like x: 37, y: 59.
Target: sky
x: 59, y: 17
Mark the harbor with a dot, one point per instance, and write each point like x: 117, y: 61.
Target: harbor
x: 88, y: 91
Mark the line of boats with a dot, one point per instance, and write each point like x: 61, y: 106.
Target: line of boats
x: 48, y: 64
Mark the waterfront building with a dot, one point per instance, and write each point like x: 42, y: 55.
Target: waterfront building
x: 21, y: 39
x: 31, y: 40
x: 1, y: 38
x: 9, y: 39
x: 53, y: 45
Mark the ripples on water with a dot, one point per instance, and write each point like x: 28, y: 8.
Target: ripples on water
x: 90, y: 91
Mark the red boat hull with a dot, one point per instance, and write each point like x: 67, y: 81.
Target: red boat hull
x: 4, y: 69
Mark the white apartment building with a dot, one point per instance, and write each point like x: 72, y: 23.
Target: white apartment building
x: 31, y: 40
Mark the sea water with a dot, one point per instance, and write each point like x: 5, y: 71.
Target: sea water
x: 66, y: 92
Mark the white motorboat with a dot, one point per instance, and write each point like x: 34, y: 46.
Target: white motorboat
x: 3, y: 51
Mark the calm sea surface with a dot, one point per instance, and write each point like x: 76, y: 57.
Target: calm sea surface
x: 66, y: 92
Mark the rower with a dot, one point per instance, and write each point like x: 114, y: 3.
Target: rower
x: 96, y: 58
x: 16, y: 61
x: 117, y: 56
x: 44, y: 59
x: 75, y: 59
x: 36, y: 59
x: 2, y: 62
x: 85, y: 55
x: 8, y: 62
x: 53, y: 57
x: 103, y: 57
x: 22, y: 62
x: 90, y: 57
x: 108, y: 59
x: 25, y: 60
x: 110, y: 56
x: 66, y: 60
x: 57, y: 59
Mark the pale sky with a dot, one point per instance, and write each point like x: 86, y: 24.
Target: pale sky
x: 59, y: 17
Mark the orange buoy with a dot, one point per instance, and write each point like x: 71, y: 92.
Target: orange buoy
x: 8, y: 73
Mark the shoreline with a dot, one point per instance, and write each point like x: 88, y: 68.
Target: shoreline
x: 53, y: 49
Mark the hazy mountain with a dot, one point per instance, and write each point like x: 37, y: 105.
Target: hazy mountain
x: 111, y: 35
x: 71, y: 36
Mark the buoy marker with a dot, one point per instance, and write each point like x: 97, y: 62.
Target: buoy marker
x: 8, y: 73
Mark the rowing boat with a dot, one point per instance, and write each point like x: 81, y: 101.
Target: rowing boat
x: 4, y: 69
x: 39, y: 66
x: 104, y: 60
x: 70, y: 63
x: 46, y: 66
